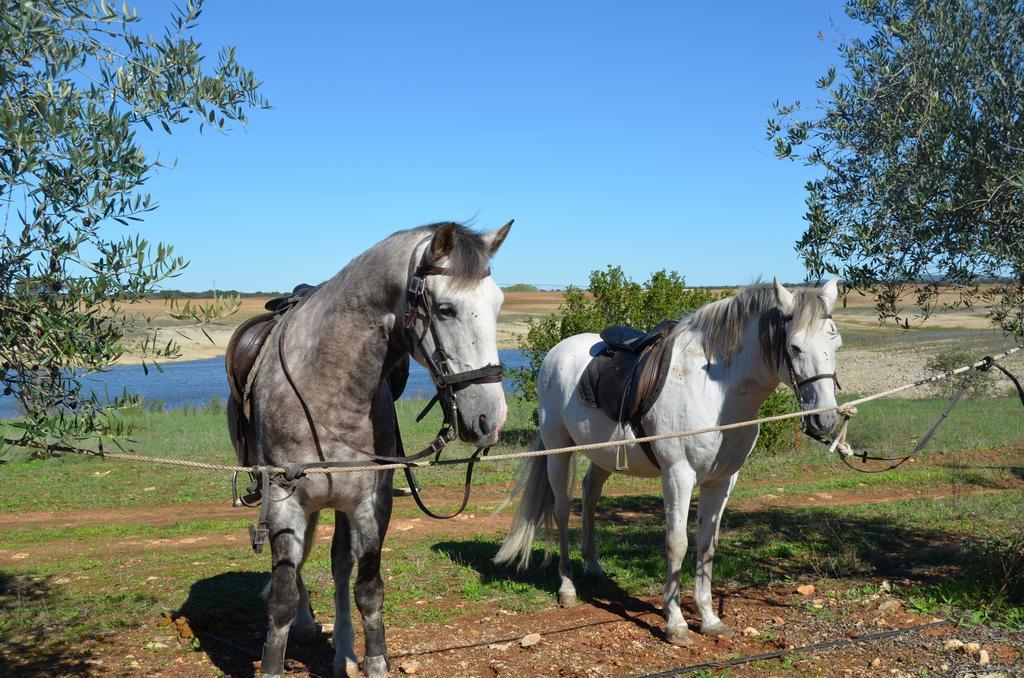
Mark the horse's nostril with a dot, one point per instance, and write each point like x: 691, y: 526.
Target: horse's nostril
x: 485, y: 426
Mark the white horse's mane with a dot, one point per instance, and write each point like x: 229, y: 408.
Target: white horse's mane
x: 720, y: 325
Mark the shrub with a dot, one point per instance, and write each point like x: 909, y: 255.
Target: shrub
x: 949, y: 360
x: 778, y: 436
x: 612, y: 299
x: 521, y: 287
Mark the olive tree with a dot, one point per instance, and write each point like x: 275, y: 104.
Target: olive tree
x: 919, y: 138
x: 77, y: 85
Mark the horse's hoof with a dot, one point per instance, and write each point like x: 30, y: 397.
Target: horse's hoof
x: 567, y: 598
x: 679, y: 635
x: 345, y: 669
x: 376, y: 667
x: 716, y: 630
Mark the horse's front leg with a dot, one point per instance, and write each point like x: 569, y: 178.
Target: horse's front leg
x: 677, y: 486
x: 369, y: 524
x: 345, y: 662
x: 710, y: 507
x: 288, y: 522
x: 304, y: 628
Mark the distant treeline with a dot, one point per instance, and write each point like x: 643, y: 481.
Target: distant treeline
x: 208, y: 294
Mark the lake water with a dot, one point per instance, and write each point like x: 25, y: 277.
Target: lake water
x: 197, y: 382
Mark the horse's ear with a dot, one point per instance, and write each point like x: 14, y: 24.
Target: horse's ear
x: 829, y: 293
x: 784, y: 296
x: 496, y: 237
x: 443, y: 242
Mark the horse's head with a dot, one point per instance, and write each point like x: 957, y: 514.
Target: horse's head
x: 808, y: 361
x: 458, y: 335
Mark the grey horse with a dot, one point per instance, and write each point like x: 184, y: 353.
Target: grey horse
x: 320, y: 394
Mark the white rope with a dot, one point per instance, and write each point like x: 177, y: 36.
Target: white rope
x: 846, y: 410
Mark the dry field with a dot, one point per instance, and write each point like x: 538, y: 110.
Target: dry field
x: 875, y: 356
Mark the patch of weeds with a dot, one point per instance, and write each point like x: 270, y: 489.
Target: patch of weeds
x: 708, y: 673
x: 991, y: 591
x: 863, y: 591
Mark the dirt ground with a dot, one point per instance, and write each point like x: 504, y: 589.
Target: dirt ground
x: 614, y: 635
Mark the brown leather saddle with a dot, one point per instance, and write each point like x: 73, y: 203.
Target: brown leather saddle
x: 243, y: 353
x: 626, y: 377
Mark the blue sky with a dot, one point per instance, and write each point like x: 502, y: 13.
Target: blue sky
x: 614, y: 133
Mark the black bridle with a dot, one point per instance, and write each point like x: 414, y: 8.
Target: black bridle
x: 447, y: 382
x: 798, y: 384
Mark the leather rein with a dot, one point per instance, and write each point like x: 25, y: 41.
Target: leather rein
x: 988, y: 363
x: 446, y: 381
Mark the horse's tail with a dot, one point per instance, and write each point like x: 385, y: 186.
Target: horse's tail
x: 236, y: 429
x: 536, y: 509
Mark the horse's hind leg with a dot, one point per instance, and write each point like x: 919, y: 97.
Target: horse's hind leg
x: 560, y: 476
x: 369, y: 523
x: 592, y: 484
x: 710, y: 507
x: 288, y: 521
x: 304, y: 628
x: 345, y: 662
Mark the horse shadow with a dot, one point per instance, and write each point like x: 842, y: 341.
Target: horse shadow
x: 601, y: 592
x: 758, y: 548
x: 225, y: 617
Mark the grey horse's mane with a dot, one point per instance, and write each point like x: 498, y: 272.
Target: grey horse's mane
x: 470, y: 259
x: 720, y: 325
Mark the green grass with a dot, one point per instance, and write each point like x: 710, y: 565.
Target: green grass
x: 944, y: 546
x: 884, y: 427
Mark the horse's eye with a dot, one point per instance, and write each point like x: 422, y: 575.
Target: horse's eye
x: 446, y: 310
x: 796, y: 349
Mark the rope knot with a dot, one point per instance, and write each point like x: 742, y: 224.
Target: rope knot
x: 848, y: 411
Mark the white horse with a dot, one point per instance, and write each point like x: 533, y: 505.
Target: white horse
x: 727, y: 357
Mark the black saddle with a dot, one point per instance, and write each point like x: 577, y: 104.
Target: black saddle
x: 625, y: 338
x: 280, y: 305
x: 626, y: 377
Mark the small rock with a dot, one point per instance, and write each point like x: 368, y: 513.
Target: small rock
x: 818, y: 603
x: 983, y: 657
x: 972, y: 648
x: 944, y: 667
x: 530, y: 640
x: 751, y: 632
x: 805, y: 590
x: 952, y: 645
x: 135, y: 665
x: 778, y: 621
x: 499, y: 646
x: 154, y: 646
x: 876, y: 662
x: 885, y: 587
x: 148, y: 489
x: 889, y: 606
x: 410, y: 667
